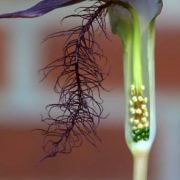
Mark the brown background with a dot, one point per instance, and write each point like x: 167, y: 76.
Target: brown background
x: 20, y: 149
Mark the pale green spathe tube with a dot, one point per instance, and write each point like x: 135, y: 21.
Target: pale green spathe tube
x: 134, y: 24
x: 137, y: 34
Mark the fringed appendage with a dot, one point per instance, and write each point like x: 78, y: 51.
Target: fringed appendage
x: 78, y: 112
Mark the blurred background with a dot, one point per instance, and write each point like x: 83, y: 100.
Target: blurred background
x: 23, y: 98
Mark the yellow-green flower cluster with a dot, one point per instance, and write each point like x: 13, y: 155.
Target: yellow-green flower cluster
x: 139, y: 116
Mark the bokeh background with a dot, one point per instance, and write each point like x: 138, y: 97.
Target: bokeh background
x: 23, y: 98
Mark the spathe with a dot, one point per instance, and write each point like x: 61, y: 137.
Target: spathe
x: 40, y: 8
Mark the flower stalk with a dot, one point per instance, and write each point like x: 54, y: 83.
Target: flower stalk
x: 140, y: 166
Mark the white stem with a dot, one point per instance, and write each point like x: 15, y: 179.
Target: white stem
x: 140, y: 165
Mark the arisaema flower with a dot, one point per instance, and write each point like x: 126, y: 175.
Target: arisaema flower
x: 79, y: 112
x: 135, y: 26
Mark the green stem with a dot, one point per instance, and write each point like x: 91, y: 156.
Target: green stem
x: 136, y: 50
x: 136, y: 45
x: 140, y: 165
